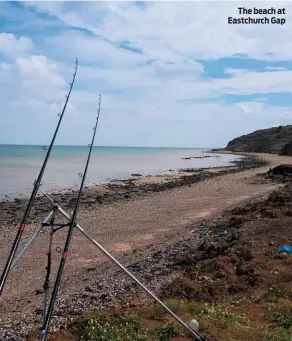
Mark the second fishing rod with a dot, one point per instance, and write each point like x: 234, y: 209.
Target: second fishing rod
x: 72, y: 224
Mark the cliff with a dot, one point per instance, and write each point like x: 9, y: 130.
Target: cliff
x: 276, y: 140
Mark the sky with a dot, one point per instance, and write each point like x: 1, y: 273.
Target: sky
x: 171, y: 74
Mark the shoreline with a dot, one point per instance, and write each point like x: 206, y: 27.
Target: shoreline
x: 121, y: 189
x: 163, y: 264
x: 58, y: 181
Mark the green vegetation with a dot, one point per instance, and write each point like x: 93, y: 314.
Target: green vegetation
x: 281, y: 315
x: 166, y: 332
x: 128, y: 328
x: 101, y: 327
x: 151, y: 323
x: 278, y: 291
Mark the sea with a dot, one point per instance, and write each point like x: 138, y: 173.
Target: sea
x: 20, y: 165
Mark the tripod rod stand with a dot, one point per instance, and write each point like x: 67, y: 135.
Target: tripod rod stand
x: 127, y: 272
x: 45, y: 223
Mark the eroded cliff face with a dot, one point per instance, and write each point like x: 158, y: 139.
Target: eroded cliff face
x: 276, y: 140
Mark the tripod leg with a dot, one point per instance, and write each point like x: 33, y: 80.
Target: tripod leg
x: 108, y: 255
x: 17, y: 258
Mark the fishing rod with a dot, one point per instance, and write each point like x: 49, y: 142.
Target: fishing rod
x: 71, y: 225
x: 37, y: 184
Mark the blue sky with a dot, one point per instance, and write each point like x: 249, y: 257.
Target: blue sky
x: 170, y: 73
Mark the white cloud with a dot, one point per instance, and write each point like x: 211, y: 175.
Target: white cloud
x: 93, y: 49
x: 171, y: 30
x: 276, y: 68
x: 163, y: 93
x: 246, y: 83
x: 38, y: 69
x: 12, y: 46
x: 183, y: 81
x: 287, y: 115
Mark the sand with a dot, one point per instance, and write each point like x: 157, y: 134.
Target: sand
x: 124, y: 226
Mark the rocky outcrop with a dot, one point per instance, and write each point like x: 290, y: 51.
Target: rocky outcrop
x: 276, y: 140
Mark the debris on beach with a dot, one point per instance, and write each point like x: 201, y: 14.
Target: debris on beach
x: 284, y: 251
x: 222, y: 233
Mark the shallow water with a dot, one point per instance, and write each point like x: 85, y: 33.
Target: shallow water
x: 20, y: 165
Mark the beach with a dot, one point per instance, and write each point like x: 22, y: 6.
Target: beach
x: 129, y: 219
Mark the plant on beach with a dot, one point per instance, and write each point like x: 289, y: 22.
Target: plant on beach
x: 106, y: 328
x: 127, y: 328
x: 281, y: 315
x: 278, y: 291
x: 166, y: 331
x: 220, y: 313
x: 278, y: 335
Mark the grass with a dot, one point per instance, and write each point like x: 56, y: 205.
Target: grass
x: 127, y: 328
x: 166, y: 332
x: 151, y: 323
x: 222, y: 314
x: 278, y: 335
x: 278, y: 291
x: 106, y: 328
x: 212, y: 312
x: 281, y: 315
x: 233, y: 326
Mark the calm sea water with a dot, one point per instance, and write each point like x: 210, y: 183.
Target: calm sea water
x: 20, y: 165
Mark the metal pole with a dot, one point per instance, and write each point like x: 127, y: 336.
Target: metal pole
x: 107, y: 254
x: 17, y: 258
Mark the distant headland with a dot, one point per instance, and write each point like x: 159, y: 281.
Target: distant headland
x: 275, y: 140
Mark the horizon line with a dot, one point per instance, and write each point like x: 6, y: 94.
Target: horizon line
x: 65, y: 145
